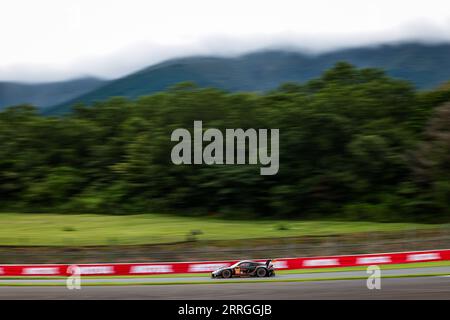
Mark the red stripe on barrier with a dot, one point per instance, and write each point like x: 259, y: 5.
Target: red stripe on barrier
x: 208, y: 266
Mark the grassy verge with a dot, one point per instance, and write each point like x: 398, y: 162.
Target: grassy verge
x: 25, y: 229
x: 296, y: 271
x: 90, y: 284
x: 363, y: 268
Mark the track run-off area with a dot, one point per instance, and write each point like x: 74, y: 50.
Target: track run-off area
x: 399, y: 276
x: 409, y: 283
x: 436, y: 287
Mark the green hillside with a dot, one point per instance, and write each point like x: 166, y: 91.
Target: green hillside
x: 43, y: 95
x: 426, y: 66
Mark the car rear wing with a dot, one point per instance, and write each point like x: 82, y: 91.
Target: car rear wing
x: 268, y: 262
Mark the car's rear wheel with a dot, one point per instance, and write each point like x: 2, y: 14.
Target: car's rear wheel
x: 226, y: 273
x: 261, y: 272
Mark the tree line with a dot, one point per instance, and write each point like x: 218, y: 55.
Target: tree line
x: 354, y: 144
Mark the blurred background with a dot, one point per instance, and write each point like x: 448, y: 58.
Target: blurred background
x: 87, y: 110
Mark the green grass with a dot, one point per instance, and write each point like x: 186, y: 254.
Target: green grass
x: 363, y: 268
x: 89, y: 229
x: 93, y: 284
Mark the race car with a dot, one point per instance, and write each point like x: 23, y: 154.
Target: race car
x: 245, y: 268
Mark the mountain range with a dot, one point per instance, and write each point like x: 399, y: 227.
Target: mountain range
x: 426, y: 66
x: 44, y: 95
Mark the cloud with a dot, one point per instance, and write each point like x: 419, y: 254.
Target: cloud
x: 109, y: 39
x: 141, y: 55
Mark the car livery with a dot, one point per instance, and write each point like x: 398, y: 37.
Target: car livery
x: 245, y: 268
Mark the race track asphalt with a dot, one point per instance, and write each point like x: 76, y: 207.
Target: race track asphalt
x: 293, y: 276
x: 429, y: 287
x: 436, y: 287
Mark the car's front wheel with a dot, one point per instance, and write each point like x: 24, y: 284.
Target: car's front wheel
x: 226, y: 273
x: 261, y: 272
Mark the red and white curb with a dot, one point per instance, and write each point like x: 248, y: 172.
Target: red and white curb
x: 112, y: 269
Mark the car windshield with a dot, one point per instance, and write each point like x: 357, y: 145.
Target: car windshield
x: 238, y: 263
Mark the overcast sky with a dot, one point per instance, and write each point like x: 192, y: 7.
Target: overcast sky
x: 49, y: 40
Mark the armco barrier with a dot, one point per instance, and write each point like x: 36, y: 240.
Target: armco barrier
x: 207, y: 266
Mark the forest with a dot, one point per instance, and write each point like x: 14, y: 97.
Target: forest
x: 354, y: 144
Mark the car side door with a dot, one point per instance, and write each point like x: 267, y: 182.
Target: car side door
x: 244, y: 267
x: 252, y: 268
